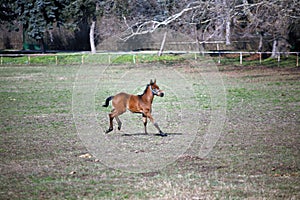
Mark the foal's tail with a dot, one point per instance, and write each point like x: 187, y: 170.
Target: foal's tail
x: 107, y: 101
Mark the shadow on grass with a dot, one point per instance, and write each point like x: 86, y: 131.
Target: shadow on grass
x: 149, y: 134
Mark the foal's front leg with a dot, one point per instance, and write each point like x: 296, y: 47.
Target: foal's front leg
x: 155, y: 124
x: 145, y: 123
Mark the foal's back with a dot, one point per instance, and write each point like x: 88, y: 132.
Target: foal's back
x: 123, y: 101
x: 120, y: 100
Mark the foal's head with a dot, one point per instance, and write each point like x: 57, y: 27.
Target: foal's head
x: 155, y: 89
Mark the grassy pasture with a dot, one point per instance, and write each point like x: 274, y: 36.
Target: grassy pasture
x: 256, y: 157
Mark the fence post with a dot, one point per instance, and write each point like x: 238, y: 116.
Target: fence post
x: 259, y: 57
x: 82, y: 59
x: 56, y: 60
x: 133, y: 58
x: 2, y: 59
x: 278, y: 59
x: 28, y: 60
x: 297, y: 60
x: 241, y: 58
x: 218, y: 48
x: 109, y: 59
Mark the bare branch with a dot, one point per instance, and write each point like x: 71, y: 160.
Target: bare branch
x: 152, y: 25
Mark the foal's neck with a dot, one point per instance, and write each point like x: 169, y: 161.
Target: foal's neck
x: 148, y: 95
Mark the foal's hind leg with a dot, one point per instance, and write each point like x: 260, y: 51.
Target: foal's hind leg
x: 111, y: 115
x: 119, y: 122
x: 114, y: 114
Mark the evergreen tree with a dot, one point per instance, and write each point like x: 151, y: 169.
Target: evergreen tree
x: 35, y: 16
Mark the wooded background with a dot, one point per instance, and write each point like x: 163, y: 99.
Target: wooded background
x: 82, y: 25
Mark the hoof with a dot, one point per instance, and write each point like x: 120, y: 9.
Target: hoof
x: 162, y: 134
x: 109, y: 130
x: 119, y: 125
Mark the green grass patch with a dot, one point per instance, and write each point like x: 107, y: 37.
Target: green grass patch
x: 19, y: 60
x: 65, y: 59
x: 144, y: 58
x: 69, y: 59
x: 97, y: 58
x: 124, y: 59
x: 45, y: 60
x: 77, y: 58
x: 240, y: 95
x: 289, y: 61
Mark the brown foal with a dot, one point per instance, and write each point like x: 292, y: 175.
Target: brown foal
x: 136, y: 104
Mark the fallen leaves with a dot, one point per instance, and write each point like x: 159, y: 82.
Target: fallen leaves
x: 87, y: 155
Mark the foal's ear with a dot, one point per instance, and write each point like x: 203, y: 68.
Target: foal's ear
x: 151, y: 82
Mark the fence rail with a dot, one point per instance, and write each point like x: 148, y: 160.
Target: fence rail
x: 134, y: 54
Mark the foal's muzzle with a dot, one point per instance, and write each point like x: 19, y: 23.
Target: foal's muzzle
x: 162, y: 94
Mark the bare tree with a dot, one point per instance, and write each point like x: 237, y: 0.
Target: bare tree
x: 271, y: 19
x: 212, y: 17
x: 217, y: 20
x: 225, y: 19
x: 92, y: 37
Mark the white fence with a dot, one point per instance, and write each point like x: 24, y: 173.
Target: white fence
x: 134, y: 54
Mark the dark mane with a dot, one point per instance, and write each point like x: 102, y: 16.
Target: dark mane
x: 144, y: 90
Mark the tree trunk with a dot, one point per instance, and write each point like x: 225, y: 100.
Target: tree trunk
x: 162, y: 44
x: 274, y: 49
x: 228, y: 30
x: 219, y: 24
x: 92, y: 37
x: 227, y: 22
x: 42, y: 45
